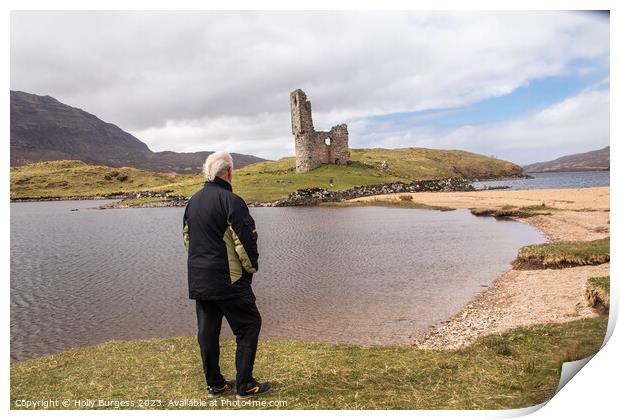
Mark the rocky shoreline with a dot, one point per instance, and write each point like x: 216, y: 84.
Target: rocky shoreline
x: 69, y: 198
x: 306, y: 196
x: 315, y: 196
x: 301, y: 197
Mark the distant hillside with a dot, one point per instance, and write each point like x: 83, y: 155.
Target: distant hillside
x: 44, y: 129
x: 72, y: 178
x: 259, y: 182
x: 596, y: 160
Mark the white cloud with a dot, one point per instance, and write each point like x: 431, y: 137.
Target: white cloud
x: 205, y: 80
x: 257, y: 135
x: 576, y: 124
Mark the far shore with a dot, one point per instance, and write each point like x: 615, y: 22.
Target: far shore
x: 523, y: 297
x: 76, y: 198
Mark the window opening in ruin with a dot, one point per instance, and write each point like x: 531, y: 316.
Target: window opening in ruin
x: 328, y: 141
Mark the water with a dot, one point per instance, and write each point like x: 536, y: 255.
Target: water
x: 352, y: 275
x: 546, y: 180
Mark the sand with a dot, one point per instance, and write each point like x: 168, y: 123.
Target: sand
x: 525, y: 297
x: 516, y: 299
x: 569, y: 199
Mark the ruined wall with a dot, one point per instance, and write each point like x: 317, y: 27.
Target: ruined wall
x: 315, y: 148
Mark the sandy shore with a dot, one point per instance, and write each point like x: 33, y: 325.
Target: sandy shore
x: 525, y: 297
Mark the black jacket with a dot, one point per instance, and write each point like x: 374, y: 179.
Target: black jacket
x: 220, y: 237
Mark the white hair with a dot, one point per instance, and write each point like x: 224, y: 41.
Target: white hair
x: 217, y: 164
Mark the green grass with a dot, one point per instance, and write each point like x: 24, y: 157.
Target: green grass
x: 563, y: 254
x: 420, y: 163
x: 518, y: 368
x: 597, y: 293
x: 269, y: 181
x: 260, y: 182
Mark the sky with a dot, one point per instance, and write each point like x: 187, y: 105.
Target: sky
x: 521, y: 86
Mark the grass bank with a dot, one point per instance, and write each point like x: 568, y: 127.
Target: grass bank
x: 515, y: 369
x: 510, y: 211
x: 563, y: 254
x: 597, y: 293
x: 260, y: 182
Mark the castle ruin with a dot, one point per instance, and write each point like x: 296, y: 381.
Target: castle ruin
x: 315, y: 148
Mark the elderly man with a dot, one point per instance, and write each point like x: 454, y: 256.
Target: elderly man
x: 220, y: 237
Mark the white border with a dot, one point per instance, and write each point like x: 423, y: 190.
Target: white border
x: 593, y: 393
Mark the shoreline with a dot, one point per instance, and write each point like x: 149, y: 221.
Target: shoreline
x: 521, y: 298
x: 74, y: 198
x: 300, y: 197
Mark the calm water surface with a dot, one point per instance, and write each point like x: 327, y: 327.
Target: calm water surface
x: 546, y: 180
x: 352, y: 275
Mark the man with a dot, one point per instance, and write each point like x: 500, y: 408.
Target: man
x: 220, y: 237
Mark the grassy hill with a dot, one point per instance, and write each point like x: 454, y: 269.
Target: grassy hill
x: 260, y: 182
x: 71, y: 178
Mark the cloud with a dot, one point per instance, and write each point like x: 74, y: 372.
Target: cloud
x: 204, y: 80
x: 259, y: 135
x: 576, y: 124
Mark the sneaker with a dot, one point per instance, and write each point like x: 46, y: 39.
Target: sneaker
x: 219, y: 391
x: 254, y: 389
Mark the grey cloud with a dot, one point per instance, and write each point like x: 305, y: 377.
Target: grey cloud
x: 153, y: 72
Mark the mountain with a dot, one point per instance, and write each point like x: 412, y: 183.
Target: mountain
x: 596, y: 160
x: 44, y: 129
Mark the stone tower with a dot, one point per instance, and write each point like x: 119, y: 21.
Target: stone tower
x: 315, y: 148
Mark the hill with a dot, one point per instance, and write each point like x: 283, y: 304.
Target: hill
x: 259, y: 182
x: 275, y: 180
x: 72, y: 178
x: 596, y: 160
x: 44, y: 129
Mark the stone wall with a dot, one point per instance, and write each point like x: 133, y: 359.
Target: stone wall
x: 315, y: 148
x: 314, y: 196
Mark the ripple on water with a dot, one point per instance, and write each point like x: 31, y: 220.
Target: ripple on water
x: 354, y: 275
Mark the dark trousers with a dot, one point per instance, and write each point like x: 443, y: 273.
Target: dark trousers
x: 244, y: 320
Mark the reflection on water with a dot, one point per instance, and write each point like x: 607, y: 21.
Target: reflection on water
x: 355, y: 275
